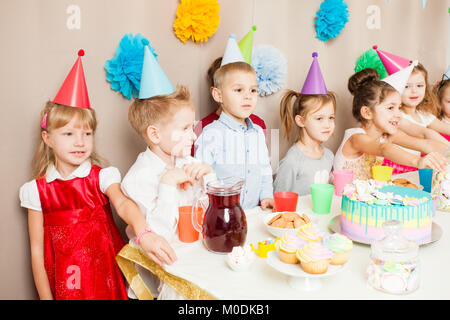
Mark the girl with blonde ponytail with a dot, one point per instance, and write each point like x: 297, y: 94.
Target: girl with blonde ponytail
x: 308, y: 120
x: 307, y: 117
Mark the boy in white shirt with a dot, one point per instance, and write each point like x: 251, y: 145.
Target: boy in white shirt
x: 164, y: 176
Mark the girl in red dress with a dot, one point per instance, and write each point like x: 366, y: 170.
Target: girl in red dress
x: 73, y: 237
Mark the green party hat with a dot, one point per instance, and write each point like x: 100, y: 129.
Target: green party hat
x: 246, y: 45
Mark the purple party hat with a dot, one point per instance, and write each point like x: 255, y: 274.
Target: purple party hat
x: 314, y: 83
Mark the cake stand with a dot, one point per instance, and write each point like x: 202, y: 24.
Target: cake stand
x: 436, y: 231
x: 299, y: 279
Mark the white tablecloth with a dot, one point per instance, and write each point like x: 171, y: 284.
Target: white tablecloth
x: 211, y: 272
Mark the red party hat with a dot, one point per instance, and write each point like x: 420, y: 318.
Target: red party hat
x: 73, y: 92
x: 391, y: 62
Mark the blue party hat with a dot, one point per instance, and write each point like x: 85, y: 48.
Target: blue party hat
x: 154, y: 81
x: 232, y: 52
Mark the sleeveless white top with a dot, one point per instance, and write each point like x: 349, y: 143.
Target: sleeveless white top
x: 360, y: 165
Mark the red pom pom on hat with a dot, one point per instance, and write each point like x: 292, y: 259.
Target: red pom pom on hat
x: 80, y: 52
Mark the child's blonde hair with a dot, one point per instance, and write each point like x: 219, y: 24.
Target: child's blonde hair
x: 302, y: 106
x: 221, y: 72
x: 429, y: 104
x: 58, y: 116
x: 439, y: 91
x: 145, y: 112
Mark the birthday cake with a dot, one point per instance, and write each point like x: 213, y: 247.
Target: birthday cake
x: 367, y: 204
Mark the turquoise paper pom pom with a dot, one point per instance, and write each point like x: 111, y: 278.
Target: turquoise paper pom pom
x: 124, y: 70
x: 331, y: 19
x: 271, y: 67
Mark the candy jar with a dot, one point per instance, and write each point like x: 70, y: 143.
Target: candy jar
x: 395, y: 262
x: 441, y: 186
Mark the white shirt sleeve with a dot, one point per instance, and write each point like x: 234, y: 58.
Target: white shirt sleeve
x: 29, y: 196
x: 107, y: 177
x: 158, y: 202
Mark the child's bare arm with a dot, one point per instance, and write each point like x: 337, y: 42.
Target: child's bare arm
x: 365, y: 144
x: 154, y: 245
x: 417, y: 131
x: 36, y: 233
x: 423, y: 145
x: 440, y: 126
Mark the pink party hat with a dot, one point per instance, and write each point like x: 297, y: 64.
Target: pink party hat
x: 391, y: 62
x: 314, y: 83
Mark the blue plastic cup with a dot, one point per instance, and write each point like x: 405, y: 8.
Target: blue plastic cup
x: 426, y: 178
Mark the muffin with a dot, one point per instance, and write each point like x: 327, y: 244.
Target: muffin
x: 309, y: 233
x: 314, y: 258
x: 340, y: 245
x: 287, y: 247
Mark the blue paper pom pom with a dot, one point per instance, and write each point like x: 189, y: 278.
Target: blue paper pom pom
x: 331, y: 19
x: 271, y: 67
x: 124, y: 70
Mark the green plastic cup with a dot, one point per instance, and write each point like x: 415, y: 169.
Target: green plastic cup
x: 322, y: 196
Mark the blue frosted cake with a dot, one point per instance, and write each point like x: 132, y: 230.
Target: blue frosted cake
x: 367, y: 204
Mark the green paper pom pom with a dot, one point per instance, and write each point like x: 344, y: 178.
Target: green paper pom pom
x: 370, y: 59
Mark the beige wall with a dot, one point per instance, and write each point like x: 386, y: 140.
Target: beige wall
x: 38, y: 50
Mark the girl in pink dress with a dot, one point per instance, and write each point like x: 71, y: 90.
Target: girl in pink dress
x: 420, y: 108
x: 376, y: 105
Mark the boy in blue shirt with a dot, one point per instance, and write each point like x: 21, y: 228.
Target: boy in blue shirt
x: 234, y: 145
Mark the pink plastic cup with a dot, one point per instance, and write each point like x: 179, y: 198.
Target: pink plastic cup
x: 340, y: 179
x: 285, y: 201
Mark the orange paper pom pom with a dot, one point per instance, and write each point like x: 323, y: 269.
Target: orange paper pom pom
x: 196, y: 19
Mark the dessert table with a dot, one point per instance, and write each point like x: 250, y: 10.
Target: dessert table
x: 210, y: 271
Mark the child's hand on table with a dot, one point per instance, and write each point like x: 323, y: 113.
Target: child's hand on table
x: 267, y: 203
x: 177, y: 177
x: 158, y: 249
x: 433, y: 160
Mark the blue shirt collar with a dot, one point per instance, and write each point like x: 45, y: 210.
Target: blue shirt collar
x: 235, y: 125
